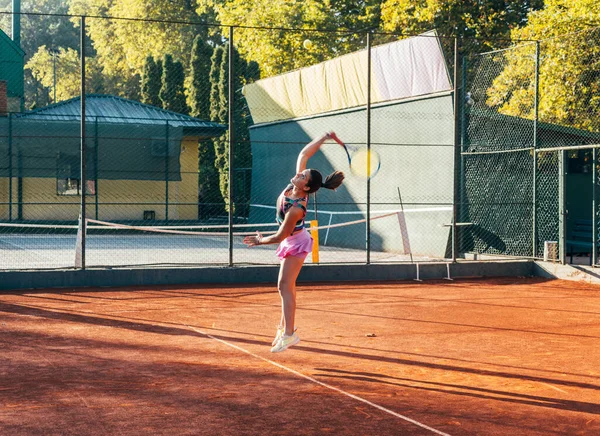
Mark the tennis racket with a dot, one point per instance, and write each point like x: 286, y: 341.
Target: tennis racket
x: 362, y: 162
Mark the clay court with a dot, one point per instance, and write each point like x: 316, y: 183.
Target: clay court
x: 494, y: 357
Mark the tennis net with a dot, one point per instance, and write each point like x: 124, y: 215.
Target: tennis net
x: 396, y: 236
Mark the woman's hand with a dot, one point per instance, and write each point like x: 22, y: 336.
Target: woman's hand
x: 252, y: 240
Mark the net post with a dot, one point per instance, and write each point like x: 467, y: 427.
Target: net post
x: 78, y: 245
x: 82, y: 153
x: 230, y: 126
x: 368, y: 226
x: 448, y: 277
x: 314, y: 232
x: 418, y: 279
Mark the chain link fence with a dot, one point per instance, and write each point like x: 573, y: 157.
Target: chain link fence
x: 529, y: 141
x: 192, y: 132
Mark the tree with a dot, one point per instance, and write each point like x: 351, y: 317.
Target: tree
x: 54, y: 32
x: 123, y: 45
x: 68, y: 72
x: 568, y: 72
x: 199, y: 80
x: 215, y: 73
x: 489, y: 21
x: 172, y: 92
x: 210, y: 200
x: 151, y: 82
x: 244, y: 73
x: 277, y: 50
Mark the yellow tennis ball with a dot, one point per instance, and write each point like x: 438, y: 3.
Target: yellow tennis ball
x: 307, y: 44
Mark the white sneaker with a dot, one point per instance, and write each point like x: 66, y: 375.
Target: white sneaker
x: 278, y: 336
x: 285, y: 342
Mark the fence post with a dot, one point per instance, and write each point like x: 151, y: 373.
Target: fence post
x: 457, y: 149
x: 167, y: 171
x: 83, y: 154
x: 594, y: 205
x: 535, y: 145
x: 368, y: 228
x: 96, y: 142
x: 10, y: 168
x: 231, y: 140
x: 562, y: 206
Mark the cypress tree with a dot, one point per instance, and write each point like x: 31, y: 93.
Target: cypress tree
x: 215, y: 74
x: 210, y: 200
x: 241, y: 123
x: 172, y: 92
x: 200, y: 85
x: 151, y: 82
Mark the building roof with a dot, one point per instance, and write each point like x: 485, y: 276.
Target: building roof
x: 113, y: 109
x: 11, y: 43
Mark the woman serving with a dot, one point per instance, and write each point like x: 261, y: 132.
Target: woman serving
x: 293, y: 238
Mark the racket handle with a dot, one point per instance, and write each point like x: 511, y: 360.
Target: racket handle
x: 333, y: 136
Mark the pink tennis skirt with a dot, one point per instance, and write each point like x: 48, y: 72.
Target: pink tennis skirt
x: 298, y: 245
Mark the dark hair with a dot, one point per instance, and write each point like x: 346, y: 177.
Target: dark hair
x: 332, y: 181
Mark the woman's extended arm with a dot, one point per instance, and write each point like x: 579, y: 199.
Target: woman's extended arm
x: 309, y: 150
x: 287, y: 227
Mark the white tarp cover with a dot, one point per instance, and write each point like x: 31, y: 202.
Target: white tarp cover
x: 401, y: 69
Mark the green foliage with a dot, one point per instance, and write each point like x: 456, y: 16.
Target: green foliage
x: 278, y: 50
x: 172, y: 92
x: 151, y: 82
x: 215, y: 72
x: 244, y: 73
x: 210, y: 200
x: 568, y: 71
x: 490, y: 21
x: 122, y: 46
x: 54, y: 32
x: 199, y: 85
x: 68, y: 72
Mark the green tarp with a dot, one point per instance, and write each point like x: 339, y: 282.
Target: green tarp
x: 51, y: 149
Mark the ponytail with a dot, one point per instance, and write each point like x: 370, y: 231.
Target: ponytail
x: 332, y: 181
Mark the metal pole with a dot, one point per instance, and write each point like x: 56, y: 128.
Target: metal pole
x: 167, y: 171
x: 96, y: 164
x: 535, y: 155
x: 83, y: 154
x: 594, y: 205
x: 54, y: 61
x: 457, y: 150
x: 562, y: 206
x: 368, y: 228
x: 19, y: 184
x: 10, y: 168
x: 231, y: 141
x: 463, y: 140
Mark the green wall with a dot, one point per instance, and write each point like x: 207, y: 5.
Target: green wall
x: 414, y: 139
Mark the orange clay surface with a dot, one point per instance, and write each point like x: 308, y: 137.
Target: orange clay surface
x: 492, y: 357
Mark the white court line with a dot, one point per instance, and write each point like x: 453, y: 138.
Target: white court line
x: 325, y: 385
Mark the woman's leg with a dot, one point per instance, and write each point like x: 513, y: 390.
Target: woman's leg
x: 288, y: 273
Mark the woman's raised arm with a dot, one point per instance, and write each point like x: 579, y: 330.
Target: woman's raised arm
x: 309, y: 150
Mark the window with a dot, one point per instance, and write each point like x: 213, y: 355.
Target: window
x: 70, y: 186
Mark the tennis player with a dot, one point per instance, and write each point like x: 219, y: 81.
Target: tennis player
x: 293, y: 238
